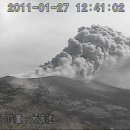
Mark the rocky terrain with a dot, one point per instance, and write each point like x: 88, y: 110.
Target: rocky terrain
x: 73, y: 104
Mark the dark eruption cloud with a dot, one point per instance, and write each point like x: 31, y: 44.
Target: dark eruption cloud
x: 86, y: 53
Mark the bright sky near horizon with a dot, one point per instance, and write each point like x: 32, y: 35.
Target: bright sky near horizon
x: 30, y: 39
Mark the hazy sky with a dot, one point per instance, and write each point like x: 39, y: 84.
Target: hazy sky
x: 30, y: 39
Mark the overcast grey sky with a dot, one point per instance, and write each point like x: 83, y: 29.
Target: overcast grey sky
x: 30, y: 39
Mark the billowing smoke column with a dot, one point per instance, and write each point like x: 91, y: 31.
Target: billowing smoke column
x: 91, y: 48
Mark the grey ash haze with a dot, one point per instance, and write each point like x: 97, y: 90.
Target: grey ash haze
x: 26, y: 38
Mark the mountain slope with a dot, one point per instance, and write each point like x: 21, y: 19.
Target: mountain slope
x: 89, y: 105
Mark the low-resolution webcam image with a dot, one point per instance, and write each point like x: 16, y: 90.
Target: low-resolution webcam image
x: 64, y: 65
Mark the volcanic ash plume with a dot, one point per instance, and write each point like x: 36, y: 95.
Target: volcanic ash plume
x: 86, y: 53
